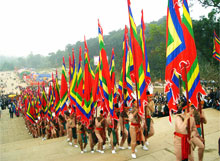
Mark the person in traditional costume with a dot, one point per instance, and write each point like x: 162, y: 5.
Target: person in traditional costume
x: 197, y: 139
x: 61, y: 123
x: 135, y: 129
x: 48, y: 130
x: 149, y: 109
x: 74, y: 132
x: 181, y: 137
x: 91, y: 134
x: 124, y: 123
x: 112, y: 132
x: 98, y: 131
x: 82, y: 137
x: 53, y: 129
x: 68, y: 127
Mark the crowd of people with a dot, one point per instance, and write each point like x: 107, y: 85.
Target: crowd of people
x: 161, y: 105
x: 128, y: 127
x: 11, y: 104
x: 213, y: 99
x: 129, y: 130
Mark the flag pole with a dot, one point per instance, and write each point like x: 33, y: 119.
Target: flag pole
x: 200, y: 111
x: 187, y: 99
x: 96, y: 111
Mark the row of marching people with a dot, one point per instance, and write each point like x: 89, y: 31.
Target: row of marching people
x: 128, y: 131
x: 129, y: 128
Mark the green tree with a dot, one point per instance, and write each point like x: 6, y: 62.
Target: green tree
x: 210, y: 3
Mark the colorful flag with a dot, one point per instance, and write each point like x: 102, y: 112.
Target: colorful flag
x: 120, y: 89
x: 174, y: 51
x: 171, y: 103
x: 50, y: 103
x: 104, y: 75
x: 70, y: 69
x: 144, y: 51
x: 44, y: 100
x: 122, y: 80
x: 128, y: 63
x: 63, y: 90
x: 190, y: 56
x: 138, y: 62
x: 79, y: 90
x: 39, y: 102
x: 57, y: 96
x: 96, y: 87
x: 174, y: 40
x: 54, y: 95
x: 31, y: 113
x: 126, y: 66
x: 112, y: 75
x: 87, y: 108
x: 73, y: 84
x: 216, y: 48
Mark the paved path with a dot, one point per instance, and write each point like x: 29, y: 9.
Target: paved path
x: 17, y: 145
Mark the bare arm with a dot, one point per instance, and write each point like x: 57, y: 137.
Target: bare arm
x: 151, y: 106
x: 202, y: 116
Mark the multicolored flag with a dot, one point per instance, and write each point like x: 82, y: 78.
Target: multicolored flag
x: 126, y: 66
x: 104, y: 75
x: 31, y: 112
x: 96, y: 87
x: 63, y: 90
x: 39, y: 102
x: 73, y: 84
x: 190, y: 56
x: 70, y: 69
x: 138, y: 62
x: 216, y: 48
x: 112, y: 75
x: 122, y: 82
x: 171, y: 103
x: 144, y: 51
x: 120, y: 88
x: 57, y: 96
x: 87, y: 108
x: 175, y: 47
x: 50, y: 103
x: 54, y: 95
x: 79, y: 90
x: 44, y: 100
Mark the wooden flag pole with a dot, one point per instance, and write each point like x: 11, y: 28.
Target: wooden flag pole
x: 96, y: 111
x: 187, y: 98
x: 201, y: 122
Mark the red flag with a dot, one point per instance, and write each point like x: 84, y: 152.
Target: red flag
x: 63, y: 89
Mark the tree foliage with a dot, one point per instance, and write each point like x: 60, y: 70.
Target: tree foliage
x: 211, y: 3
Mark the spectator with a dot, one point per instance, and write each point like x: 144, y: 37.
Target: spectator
x: 160, y: 112
x: 166, y: 110
x: 11, y: 111
x: 217, y: 93
x: 216, y: 105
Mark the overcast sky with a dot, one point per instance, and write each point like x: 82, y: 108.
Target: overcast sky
x: 43, y: 26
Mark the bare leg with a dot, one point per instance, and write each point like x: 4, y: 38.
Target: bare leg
x: 133, y: 138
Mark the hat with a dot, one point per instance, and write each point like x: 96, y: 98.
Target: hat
x: 150, y: 95
x: 185, y: 107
